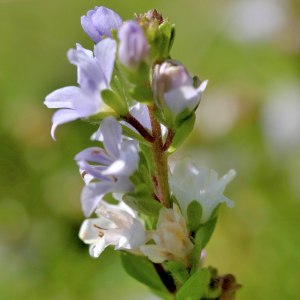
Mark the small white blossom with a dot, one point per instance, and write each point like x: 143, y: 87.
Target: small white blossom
x: 189, y: 183
x: 117, y: 225
x: 171, y: 238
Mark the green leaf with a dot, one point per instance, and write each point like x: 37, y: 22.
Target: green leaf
x: 163, y: 295
x: 205, y: 232
x: 182, y: 133
x: 141, y: 269
x: 115, y: 102
x: 132, y: 134
x: 142, y: 201
x: 96, y: 119
x: 194, y: 214
x: 150, y: 159
x: 195, y: 287
x: 178, y: 271
x: 146, y: 177
x: 142, y: 94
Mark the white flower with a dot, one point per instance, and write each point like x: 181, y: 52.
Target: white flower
x: 189, y: 183
x: 117, y: 225
x: 171, y: 238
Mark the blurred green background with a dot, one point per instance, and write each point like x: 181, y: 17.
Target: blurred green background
x: 249, y: 120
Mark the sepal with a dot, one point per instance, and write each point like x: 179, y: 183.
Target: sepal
x: 195, y: 287
x: 142, y: 201
x: 178, y: 271
x: 142, y: 94
x: 115, y: 102
x: 194, y: 214
x: 182, y: 133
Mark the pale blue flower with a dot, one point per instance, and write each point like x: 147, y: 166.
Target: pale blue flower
x: 99, y: 22
x: 115, y: 164
x: 94, y: 75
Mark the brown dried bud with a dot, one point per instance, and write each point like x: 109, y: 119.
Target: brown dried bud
x: 151, y: 15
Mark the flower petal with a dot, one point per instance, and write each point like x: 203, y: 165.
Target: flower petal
x: 94, y: 154
x: 63, y: 98
x: 92, y: 194
x: 105, y: 53
x: 89, y: 28
x: 112, y: 136
x: 92, y: 170
x: 63, y: 116
x: 104, y: 19
x: 89, y: 234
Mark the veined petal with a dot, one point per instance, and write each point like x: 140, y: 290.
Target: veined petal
x: 155, y: 253
x: 133, y: 237
x: 126, y: 164
x: 92, y: 194
x: 89, y: 68
x: 112, y: 136
x: 63, y: 116
x: 94, y: 154
x: 105, y: 53
x: 89, y: 234
x: 92, y: 170
x: 63, y: 98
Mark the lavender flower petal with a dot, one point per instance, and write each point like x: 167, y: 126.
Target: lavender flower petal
x: 105, y: 54
x: 63, y: 98
x: 112, y: 136
x: 63, y: 116
x: 94, y: 154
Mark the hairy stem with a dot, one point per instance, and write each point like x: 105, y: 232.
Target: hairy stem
x: 161, y: 162
x: 168, y: 140
x: 139, y: 127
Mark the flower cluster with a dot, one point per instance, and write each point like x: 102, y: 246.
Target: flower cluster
x: 145, y: 103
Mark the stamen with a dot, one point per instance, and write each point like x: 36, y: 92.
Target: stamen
x: 95, y: 152
x: 83, y: 174
x: 94, y: 225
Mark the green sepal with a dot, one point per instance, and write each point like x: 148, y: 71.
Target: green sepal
x: 132, y: 134
x: 174, y: 200
x: 194, y: 215
x: 142, y: 201
x: 214, y: 289
x: 114, y: 34
x: 172, y: 39
x: 139, y: 76
x: 205, y: 232
x: 195, y: 287
x: 141, y: 269
x: 115, y: 102
x: 116, y: 86
x: 96, y: 119
x: 181, y: 117
x: 215, y: 212
x: 150, y: 159
x: 160, y: 118
x: 142, y: 94
x: 178, y: 271
x: 182, y: 133
x: 165, y: 32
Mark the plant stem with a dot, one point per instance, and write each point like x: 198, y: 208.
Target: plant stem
x: 161, y: 162
x: 168, y: 140
x: 139, y: 127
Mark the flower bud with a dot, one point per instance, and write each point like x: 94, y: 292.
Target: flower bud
x: 99, y: 22
x: 174, y: 90
x: 134, y: 48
